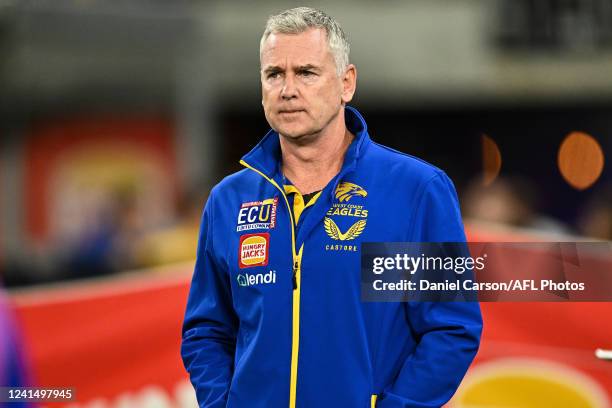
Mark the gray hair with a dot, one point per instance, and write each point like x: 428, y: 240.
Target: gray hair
x: 300, y: 19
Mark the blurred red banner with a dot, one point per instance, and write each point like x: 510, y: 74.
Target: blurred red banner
x: 117, y: 341
x: 114, y: 340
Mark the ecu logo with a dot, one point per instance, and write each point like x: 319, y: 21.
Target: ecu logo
x: 346, y: 190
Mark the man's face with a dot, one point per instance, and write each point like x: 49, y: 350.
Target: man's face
x: 301, y: 91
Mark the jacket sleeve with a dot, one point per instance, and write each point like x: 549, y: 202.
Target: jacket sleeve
x: 448, y: 332
x: 210, y: 325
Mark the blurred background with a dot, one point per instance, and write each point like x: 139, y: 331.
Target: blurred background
x: 116, y: 118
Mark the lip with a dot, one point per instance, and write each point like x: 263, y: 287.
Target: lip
x: 290, y: 111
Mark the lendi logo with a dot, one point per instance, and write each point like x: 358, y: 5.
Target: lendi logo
x: 248, y: 279
x: 253, y: 250
x: 345, y: 191
x: 353, y: 232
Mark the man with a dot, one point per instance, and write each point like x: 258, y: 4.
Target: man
x: 274, y: 317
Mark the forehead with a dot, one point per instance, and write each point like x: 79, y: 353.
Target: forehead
x: 309, y: 47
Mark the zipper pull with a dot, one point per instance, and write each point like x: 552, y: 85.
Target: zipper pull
x: 295, y: 269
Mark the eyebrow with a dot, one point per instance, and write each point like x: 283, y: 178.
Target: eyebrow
x: 276, y: 68
x: 307, y: 67
x: 272, y: 68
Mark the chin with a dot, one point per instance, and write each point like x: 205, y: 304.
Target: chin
x: 299, y: 136
x: 293, y: 131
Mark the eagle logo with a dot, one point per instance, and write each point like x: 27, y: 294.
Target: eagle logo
x: 353, y: 232
x: 346, y: 190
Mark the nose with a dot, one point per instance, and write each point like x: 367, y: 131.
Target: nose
x: 289, y: 90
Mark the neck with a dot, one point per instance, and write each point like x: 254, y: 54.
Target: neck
x: 310, y: 166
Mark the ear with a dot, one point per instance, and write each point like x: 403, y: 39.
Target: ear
x: 349, y: 83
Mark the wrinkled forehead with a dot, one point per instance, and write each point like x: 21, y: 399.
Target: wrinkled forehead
x: 307, y: 48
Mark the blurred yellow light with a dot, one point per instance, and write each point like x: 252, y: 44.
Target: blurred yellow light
x: 580, y: 160
x: 491, y: 160
x: 528, y: 384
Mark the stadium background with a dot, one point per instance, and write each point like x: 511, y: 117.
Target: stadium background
x: 116, y: 118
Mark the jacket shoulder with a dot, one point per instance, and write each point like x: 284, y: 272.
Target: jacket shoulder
x: 388, y: 159
x: 235, y: 182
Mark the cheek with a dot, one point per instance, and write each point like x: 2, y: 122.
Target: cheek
x: 331, y: 91
x: 265, y: 93
x: 267, y: 101
x: 329, y: 97
x: 268, y: 91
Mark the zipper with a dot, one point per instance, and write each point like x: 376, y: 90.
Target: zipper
x: 296, y: 280
x: 295, y: 327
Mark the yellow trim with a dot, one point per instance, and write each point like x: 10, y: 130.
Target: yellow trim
x: 295, y: 333
x: 298, y: 201
x: 290, y: 188
x: 245, y: 164
x: 373, y: 401
x: 298, y: 207
x: 297, y: 262
x: 314, y: 199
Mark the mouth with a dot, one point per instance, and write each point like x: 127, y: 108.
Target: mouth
x: 290, y: 111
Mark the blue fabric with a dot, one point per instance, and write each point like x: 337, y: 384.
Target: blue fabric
x: 13, y: 369
x: 237, y: 339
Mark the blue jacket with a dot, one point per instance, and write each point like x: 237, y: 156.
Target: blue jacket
x: 274, y: 316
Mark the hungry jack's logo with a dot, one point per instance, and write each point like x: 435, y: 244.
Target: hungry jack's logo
x: 254, y: 250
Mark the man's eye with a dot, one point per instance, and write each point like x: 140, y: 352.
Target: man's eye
x: 273, y: 75
x: 307, y: 73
